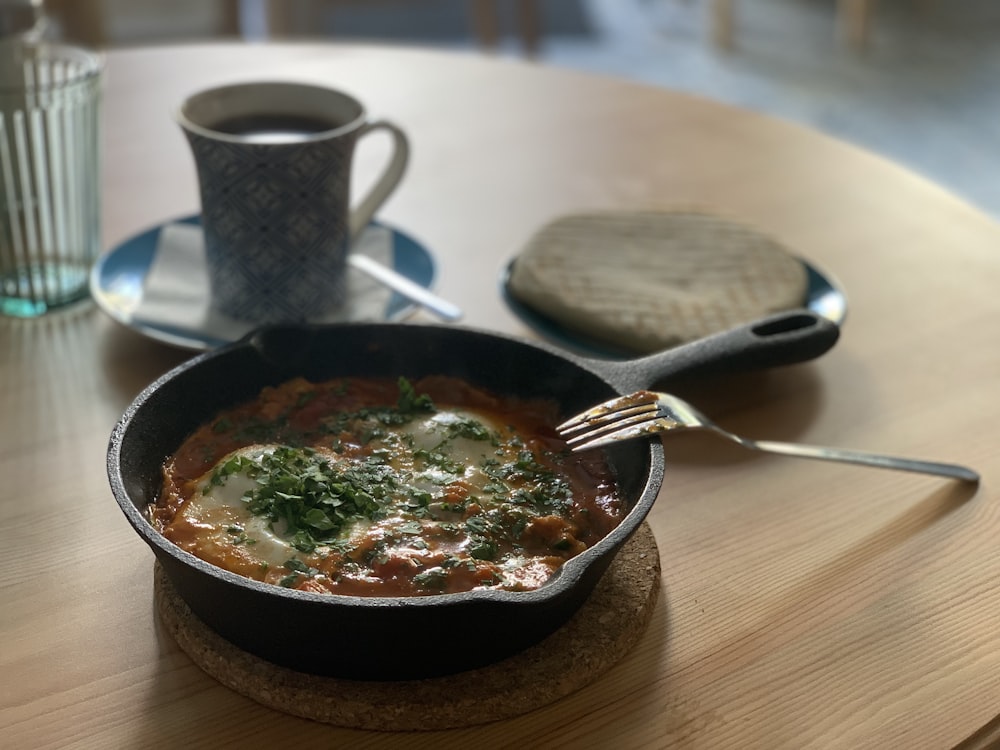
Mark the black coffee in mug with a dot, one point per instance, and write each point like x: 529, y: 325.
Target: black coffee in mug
x: 272, y: 127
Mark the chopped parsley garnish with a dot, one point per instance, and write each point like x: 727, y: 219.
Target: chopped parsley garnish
x: 301, y: 567
x: 482, y: 548
x: 411, y: 403
x: 439, y: 460
x: 312, y: 497
x: 432, y: 578
x: 470, y: 429
x: 374, y: 419
x: 239, y: 535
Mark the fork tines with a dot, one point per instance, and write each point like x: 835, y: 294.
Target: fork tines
x: 617, y: 419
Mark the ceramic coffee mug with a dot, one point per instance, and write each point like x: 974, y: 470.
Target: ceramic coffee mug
x: 274, y: 172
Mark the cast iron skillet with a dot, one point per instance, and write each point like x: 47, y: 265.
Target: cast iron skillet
x: 411, y: 637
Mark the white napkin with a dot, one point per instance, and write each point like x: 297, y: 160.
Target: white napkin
x: 176, y: 291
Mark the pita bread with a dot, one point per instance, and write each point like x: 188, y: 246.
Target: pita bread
x: 646, y: 281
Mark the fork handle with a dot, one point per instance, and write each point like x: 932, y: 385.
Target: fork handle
x: 782, y: 339
x: 842, y: 455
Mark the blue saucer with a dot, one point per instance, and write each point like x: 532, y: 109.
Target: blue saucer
x: 117, y: 280
x: 823, y: 296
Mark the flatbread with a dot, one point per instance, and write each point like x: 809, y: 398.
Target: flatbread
x: 645, y: 281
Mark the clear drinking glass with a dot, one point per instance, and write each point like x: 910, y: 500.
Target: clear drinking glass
x: 50, y: 209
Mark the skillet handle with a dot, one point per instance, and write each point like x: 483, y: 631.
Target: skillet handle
x: 782, y: 339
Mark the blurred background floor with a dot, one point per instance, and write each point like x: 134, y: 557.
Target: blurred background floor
x: 925, y: 94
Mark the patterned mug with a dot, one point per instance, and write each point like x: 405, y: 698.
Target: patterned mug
x: 274, y: 174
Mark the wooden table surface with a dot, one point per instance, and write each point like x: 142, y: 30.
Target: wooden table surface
x: 803, y: 604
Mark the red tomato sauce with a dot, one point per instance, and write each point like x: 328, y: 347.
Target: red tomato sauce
x: 374, y: 487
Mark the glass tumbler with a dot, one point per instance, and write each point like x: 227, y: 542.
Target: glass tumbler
x: 50, y: 209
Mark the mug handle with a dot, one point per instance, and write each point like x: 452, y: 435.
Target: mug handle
x: 393, y: 173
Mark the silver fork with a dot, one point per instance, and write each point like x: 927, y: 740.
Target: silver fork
x: 649, y: 413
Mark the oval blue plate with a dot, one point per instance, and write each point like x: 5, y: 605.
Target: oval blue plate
x: 823, y: 296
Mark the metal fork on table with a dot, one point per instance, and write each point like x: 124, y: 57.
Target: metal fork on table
x: 646, y: 413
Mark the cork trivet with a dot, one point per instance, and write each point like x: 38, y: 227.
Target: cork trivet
x: 643, y: 281
x: 600, y: 633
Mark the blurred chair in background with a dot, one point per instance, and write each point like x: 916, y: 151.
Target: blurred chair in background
x: 487, y: 27
x: 100, y: 23
x: 295, y: 17
x: 854, y: 19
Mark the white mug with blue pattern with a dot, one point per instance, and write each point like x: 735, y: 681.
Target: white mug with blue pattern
x: 274, y: 174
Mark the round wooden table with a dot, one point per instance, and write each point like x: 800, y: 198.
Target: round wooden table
x: 803, y: 604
